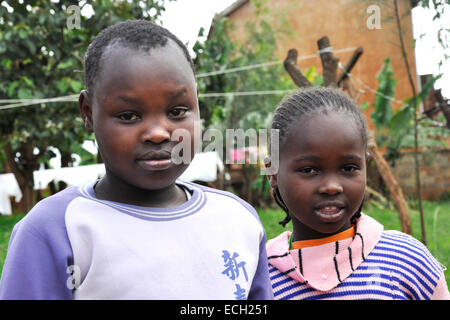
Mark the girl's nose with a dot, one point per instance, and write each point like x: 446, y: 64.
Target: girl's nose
x: 331, y: 186
x: 155, y: 133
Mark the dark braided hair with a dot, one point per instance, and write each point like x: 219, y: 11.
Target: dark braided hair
x: 140, y: 35
x: 306, y: 103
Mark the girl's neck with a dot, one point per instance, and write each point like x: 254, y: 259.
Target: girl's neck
x: 301, y: 232
x: 112, y: 188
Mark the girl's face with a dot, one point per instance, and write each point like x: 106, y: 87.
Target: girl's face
x: 140, y: 100
x: 322, y: 174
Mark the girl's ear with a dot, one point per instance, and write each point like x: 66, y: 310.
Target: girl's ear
x: 272, y: 178
x: 86, y: 110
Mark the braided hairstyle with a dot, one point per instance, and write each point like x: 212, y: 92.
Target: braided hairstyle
x: 308, y: 102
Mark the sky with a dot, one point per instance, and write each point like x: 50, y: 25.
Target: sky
x: 184, y: 18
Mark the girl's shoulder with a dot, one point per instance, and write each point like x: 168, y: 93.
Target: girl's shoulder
x: 406, y: 252
x: 404, y: 243
x: 411, y: 264
x: 221, y: 198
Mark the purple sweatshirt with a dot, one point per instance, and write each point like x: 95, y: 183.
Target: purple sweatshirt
x: 74, y: 246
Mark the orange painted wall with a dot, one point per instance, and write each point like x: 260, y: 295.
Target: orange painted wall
x: 344, y: 22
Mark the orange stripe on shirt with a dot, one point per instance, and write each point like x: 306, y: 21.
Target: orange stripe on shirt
x: 350, y: 232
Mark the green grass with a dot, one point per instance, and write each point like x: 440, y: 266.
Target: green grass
x: 437, y: 222
x: 6, y: 225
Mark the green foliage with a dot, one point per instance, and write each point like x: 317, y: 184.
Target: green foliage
x: 213, y: 55
x: 257, y: 45
x: 40, y: 57
x: 386, y: 88
x: 219, y: 52
x: 395, y: 128
x: 314, y: 77
x: 6, y: 225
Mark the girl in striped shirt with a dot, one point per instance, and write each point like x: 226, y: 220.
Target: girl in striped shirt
x: 335, y: 251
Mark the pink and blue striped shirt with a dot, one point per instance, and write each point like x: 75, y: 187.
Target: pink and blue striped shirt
x: 374, y: 264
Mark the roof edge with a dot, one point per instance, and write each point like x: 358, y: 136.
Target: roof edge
x: 233, y: 7
x: 226, y: 12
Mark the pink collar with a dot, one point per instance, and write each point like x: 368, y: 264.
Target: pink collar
x: 327, y: 265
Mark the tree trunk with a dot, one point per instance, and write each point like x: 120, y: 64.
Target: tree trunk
x: 290, y: 64
x: 66, y: 159
x: 416, y: 130
x: 445, y: 108
x: 28, y: 198
x: 24, y: 174
x: 329, y: 63
x: 394, y: 188
x: 350, y: 64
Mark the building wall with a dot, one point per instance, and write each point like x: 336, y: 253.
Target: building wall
x: 434, y: 173
x: 345, y: 24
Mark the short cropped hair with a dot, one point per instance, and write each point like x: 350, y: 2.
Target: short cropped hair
x: 140, y: 35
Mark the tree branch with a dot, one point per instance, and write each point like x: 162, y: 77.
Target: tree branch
x: 350, y: 64
x: 416, y: 133
x: 329, y: 63
x: 290, y: 64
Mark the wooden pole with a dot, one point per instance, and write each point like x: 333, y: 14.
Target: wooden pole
x: 290, y: 64
x: 350, y: 64
x: 394, y: 188
x: 329, y: 62
x: 416, y: 131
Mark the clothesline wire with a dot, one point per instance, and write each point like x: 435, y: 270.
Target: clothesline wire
x: 29, y: 102
x: 71, y: 98
x: 243, y: 93
x: 265, y: 64
x: 351, y: 76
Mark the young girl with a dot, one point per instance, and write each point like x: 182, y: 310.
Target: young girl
x: 139, y: 232
x: 335, y: 251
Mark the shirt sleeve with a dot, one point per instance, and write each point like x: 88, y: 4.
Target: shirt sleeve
x: 441, y: 290
x: 261, y: 288
x: 38, y: 258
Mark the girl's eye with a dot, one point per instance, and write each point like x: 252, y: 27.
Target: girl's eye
x: 308, y: 170
x: 350, y: 168
x: 178, y: 112
x: 128, y: 116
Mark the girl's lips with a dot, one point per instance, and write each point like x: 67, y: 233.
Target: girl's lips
x: 329, y: 214
x: 155, y: 165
